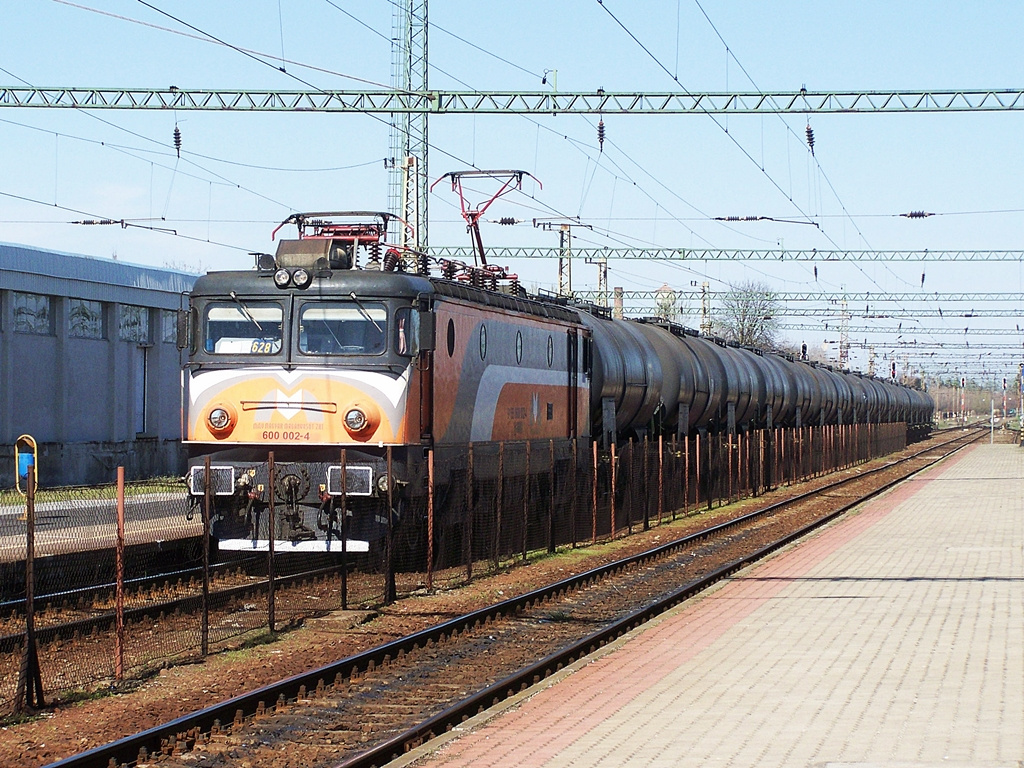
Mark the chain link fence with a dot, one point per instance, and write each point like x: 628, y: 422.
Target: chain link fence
x: 97, y: 586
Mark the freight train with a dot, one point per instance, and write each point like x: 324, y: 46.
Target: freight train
x: 341, y: 342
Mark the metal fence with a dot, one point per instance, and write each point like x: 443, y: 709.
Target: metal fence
x: 102, y: 584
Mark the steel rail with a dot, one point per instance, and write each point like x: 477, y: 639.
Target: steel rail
x: 103, y: 621
x: 189, y: 728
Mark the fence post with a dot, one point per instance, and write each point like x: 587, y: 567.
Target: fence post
x: 729, y: 467
x: 593, y: 535
x: 344, y: 530
x: 467, y: 546
x: 551, y: 497
x: 574, y: 489
x: 430, y: 519
x: 29, y: 692
x: 496, y: 544
x: 204, y: 629
x: 647, y: 484
x: 526, y: 504
x: 696, y: 476
x: 612, y: 502
x: 630, y: 494
x: 271, y: 537
x: 391, y: 587
x: 661, y: 477
x: 686, y: 477
x: 119, y: 581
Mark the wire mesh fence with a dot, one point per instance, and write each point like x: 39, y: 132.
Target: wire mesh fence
x: 112, y: 600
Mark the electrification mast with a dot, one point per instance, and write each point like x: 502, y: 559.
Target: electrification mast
x: 407, y: 187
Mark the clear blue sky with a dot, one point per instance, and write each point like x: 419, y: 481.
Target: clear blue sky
x: 658, y: 181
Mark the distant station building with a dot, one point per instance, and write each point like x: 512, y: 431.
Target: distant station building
x: 89, y: 366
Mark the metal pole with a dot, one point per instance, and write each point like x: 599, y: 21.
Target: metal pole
x: 661, y: 477
x: 467, y: 547
x: 551, y: 497
x: 612, y: 504
x: 696, y: 477
x: 630, y: 494
x: 430, y: 519
x: 574, y: 505
x: 686, y: 476
x: 496, y: 544
x: 593, y: 535
x: 392, y: 589
x: 344, y: 529
x: 271, y: 536
x: 119, y: 581
x: 29, y: 693
x: 526, y: 504
x: 204, y: 630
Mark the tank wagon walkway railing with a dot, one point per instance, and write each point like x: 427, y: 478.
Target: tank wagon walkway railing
x: 88, y: 600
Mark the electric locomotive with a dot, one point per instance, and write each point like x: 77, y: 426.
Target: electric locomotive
x: 349, y: 361
x: 331, y: 344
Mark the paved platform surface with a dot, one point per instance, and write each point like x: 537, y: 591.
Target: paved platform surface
x: 892, y: 638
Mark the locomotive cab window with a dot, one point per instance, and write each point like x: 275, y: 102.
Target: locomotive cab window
x: 407, y: 331
x: 242, y: 328
x: 343, y: 328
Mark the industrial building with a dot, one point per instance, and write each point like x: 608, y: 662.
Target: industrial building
x: 89, y: 366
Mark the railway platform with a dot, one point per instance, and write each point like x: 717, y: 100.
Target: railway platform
x: 891, y: 638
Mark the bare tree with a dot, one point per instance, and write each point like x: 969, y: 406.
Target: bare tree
x: 749, y: 316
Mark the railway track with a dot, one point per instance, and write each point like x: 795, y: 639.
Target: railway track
x: 94, y: 613
x: 369, y: 708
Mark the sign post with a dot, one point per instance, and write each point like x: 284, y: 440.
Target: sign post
x: 29, y: 693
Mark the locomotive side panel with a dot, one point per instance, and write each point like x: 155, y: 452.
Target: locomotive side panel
x: 502, y: 375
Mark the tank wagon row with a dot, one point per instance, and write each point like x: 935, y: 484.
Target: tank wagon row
x: 310, y: 353
x: 671, y: 377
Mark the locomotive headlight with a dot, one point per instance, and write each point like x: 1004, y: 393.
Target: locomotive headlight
x: 221, y: 420
x: 355, y: 420
x: 382, y: 483
x: 281, y: 278
x: 302, y: 278
x: 361, y: 420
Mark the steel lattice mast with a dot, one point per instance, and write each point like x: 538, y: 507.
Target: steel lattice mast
x: 407, y: 187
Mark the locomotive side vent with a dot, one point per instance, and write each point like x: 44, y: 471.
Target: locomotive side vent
x: 358, y: 481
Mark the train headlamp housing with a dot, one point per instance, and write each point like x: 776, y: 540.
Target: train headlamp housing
x: 382, y: 483
x: 282, y: 277
x: 356, y: 420
x: 361, y: 420
x: 221, y: 420
x: 302, y: 278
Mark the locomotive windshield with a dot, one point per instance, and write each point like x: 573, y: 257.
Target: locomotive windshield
x: 252, y: 328
x: 343, y: 328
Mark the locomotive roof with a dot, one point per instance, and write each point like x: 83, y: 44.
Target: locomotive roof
x: 372, y: 283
